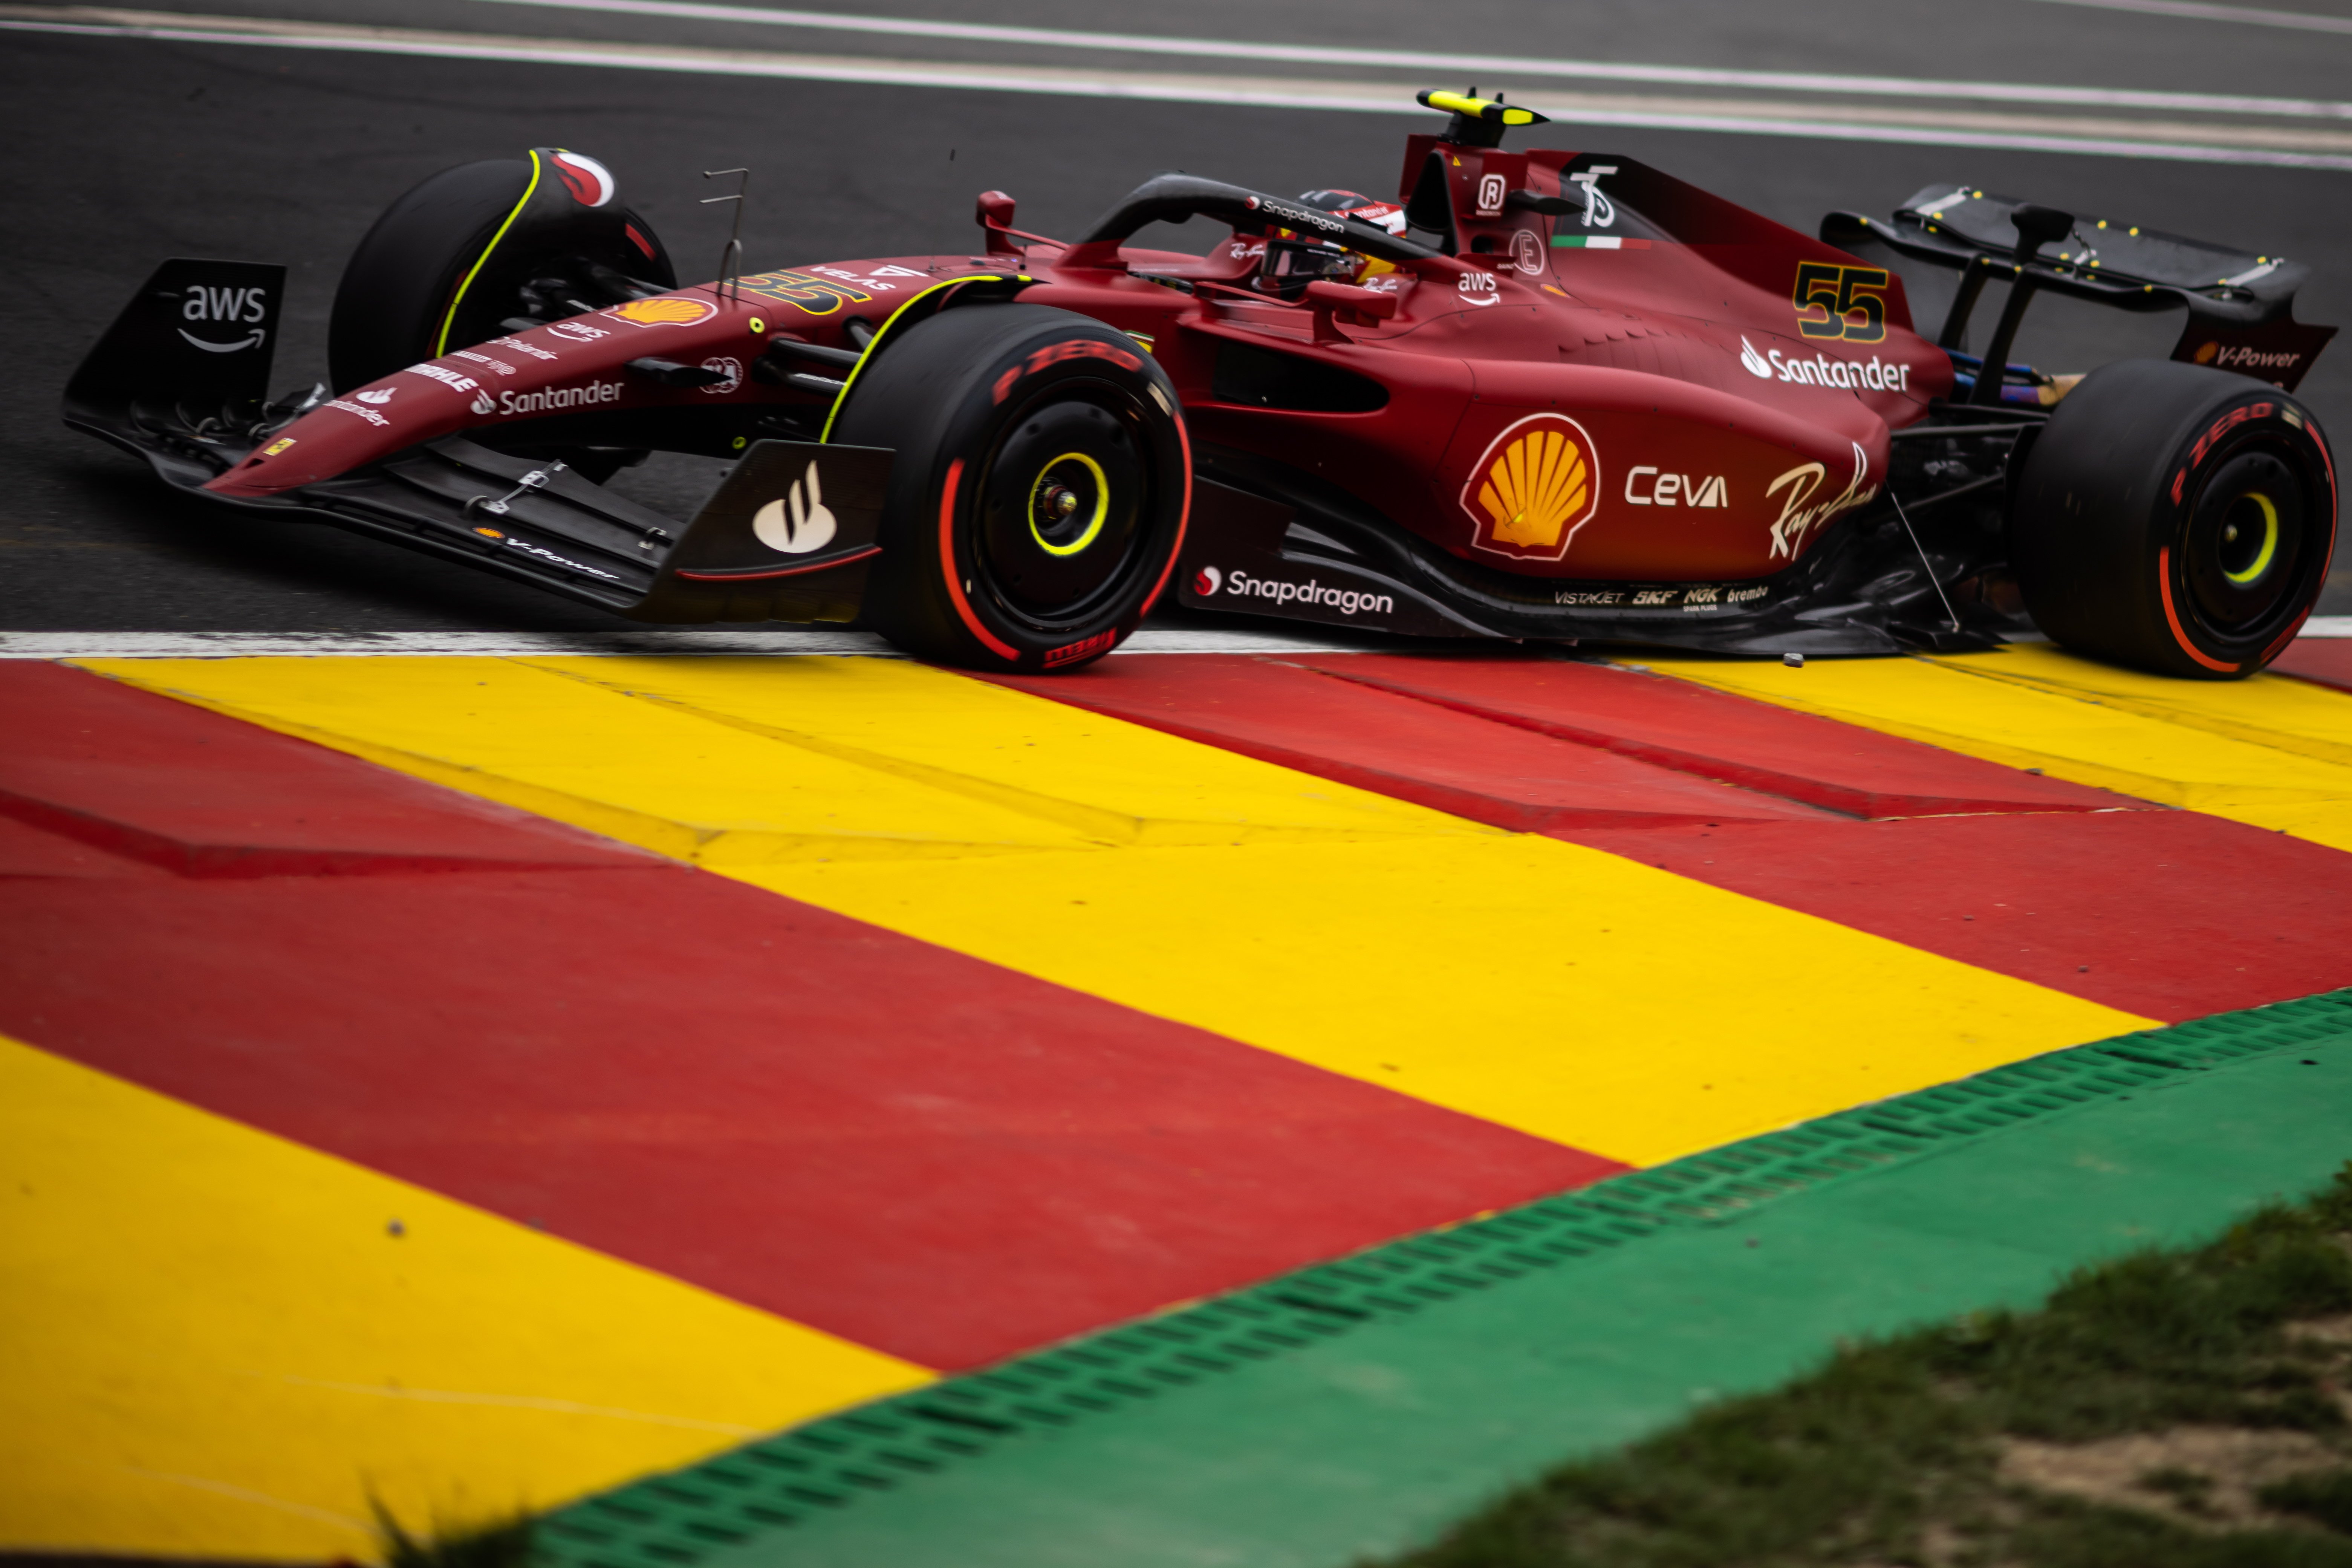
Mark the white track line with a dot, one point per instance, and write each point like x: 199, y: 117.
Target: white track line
x: 707, y: 644
x: 550, y: 644
x: 1508, y: 68
x: 2113, y: 138
x: 2239, y: 15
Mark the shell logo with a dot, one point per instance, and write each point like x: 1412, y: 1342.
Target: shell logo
x: 664, y: 311
x: 2205, y: 353
x: 1538, y: 482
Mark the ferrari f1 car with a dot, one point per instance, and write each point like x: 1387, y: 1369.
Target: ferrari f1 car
x: 1539, y: 395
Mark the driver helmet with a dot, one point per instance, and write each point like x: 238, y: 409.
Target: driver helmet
x: 1293, y: 260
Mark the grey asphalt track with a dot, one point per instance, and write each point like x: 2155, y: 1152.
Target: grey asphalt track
x: 124, y: 152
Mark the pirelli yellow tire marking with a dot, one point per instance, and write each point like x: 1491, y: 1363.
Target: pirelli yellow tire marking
x: 748, y: 762
x: 2268, y: 752
x: 212, y: 1343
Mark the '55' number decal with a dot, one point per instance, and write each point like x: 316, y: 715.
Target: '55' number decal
x: 1835, y: 301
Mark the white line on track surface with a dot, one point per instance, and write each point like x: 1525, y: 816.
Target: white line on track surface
x: 2190, y: 142
x: 741, y: 643
x: 2199, y: 11
x: 1510, y: 67
x: 549, y: 645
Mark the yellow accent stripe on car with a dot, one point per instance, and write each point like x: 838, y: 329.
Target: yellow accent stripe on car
x: 441, y: 339
x: 841, y: 398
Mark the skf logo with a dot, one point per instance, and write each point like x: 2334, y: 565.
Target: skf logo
x: 664, y: 311
x: 1846, y: 302
x: 241, y: 306
x: 1491, y: 191
x: 1645, y: 486
x: 1538, y: 483
x: 1207, y: 581
x: 798, y: 522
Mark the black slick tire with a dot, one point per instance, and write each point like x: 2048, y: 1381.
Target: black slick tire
x: 2175, y: 519
x: 1038, y: 498
x: 440, y: 269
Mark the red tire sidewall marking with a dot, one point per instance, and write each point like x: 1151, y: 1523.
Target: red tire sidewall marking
x: 951, y: 575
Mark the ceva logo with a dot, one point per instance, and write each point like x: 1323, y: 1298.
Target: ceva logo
x: 1207, y: 581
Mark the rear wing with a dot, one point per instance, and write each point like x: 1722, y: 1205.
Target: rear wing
x: 2240, y: 305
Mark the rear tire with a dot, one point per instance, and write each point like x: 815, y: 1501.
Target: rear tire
x: 1038, y: 498
x: 2175, y: 519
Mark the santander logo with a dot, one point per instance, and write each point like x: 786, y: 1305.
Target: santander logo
x: 1206, y: 582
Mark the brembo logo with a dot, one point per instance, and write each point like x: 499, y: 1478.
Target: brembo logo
x: 555, y: 399
x: 798, y: 522
x: 1346, y: 601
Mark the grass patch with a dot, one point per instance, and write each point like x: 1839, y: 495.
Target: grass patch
x: 2181, y: 1407
x: 503, y: 1543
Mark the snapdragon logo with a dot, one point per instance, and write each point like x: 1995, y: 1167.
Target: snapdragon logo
x: 1846, y: 375
x: 1346, y: 601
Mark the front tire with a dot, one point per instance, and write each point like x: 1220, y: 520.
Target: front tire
x: 2175, y: 519
x: 1038, y: 498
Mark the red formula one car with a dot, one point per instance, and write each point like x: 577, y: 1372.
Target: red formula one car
x: 1541, y: 395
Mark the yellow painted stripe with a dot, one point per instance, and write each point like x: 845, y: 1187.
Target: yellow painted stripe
x: 1555, y: 989
x: 749, y: 761
x: 2253, y: 751
x: 2273, y: 711
x: 211, y: 1345
x: 1549, y: 987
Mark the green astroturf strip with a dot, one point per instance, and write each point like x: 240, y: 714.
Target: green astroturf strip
x: 1358, y: 1406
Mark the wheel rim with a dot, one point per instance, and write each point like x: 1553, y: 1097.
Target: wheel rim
x: 2244, y: 542
x: 1060, y: 504
x: 1068, y: 504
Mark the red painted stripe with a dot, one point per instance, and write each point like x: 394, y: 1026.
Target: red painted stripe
x: 1412, y: 749
x: 2326, y: 661
x: 141, y: 775
x: 1713, y: 734
x: 921, y: 1152
x: 2176, y: 914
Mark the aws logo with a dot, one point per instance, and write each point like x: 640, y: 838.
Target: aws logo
x: 1535, y: 485
x: 230, y: 307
